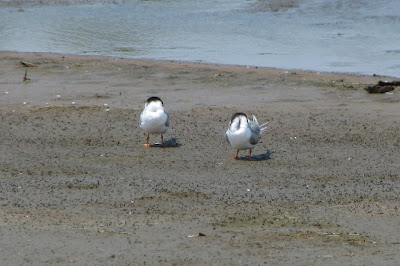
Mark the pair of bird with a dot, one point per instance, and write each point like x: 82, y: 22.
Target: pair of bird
x: 242, y: 134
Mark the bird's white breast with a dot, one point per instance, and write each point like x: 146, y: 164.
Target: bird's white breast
x: 239, y: 134
x: 153, y: 119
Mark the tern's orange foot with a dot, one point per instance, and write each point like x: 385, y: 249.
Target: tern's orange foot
x: 235, y: 158
x: 147, y: 145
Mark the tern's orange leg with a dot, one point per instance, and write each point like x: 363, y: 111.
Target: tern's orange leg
x: 236, y: 156
x: 162, y: 141
x: 147, y: 145
x: 250, y: 155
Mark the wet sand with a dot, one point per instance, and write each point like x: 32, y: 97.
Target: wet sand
x: 77, y: 187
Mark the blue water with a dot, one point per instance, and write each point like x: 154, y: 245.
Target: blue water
x: 358, y: 36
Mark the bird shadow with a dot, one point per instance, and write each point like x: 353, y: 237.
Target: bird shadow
x: 259, y: 157
x: 171, y: 143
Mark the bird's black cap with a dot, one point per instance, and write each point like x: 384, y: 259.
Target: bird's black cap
x: 154, y: 99
x: 238, y: 114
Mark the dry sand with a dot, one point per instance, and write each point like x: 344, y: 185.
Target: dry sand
x: 77, y: 187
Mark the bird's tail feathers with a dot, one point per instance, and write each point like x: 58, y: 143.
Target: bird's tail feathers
x: 263, y: 127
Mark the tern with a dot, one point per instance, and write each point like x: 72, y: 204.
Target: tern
x: 154, y: 119
x: 244, y: 134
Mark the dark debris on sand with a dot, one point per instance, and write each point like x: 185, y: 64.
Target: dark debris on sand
x: 382, y: 86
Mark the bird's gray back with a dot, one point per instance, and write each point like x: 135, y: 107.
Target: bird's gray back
x: 167, y: 122
x: 255, y: 132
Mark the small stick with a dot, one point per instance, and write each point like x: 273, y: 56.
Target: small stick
x: 27, y: 64
x: 26, y: 76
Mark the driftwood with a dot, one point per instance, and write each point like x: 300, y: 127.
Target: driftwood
x: 382, y: 86
x: 379, y: 89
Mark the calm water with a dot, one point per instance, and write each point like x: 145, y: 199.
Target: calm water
x: 360, y: 36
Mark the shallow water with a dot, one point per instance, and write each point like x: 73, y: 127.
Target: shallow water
x: 324, y: 35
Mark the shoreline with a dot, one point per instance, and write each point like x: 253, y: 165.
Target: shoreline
x: 78, y: 66
x: 194, y: 64
x: 78, y: 187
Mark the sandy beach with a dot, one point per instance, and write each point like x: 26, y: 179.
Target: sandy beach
x: 77, y: 187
